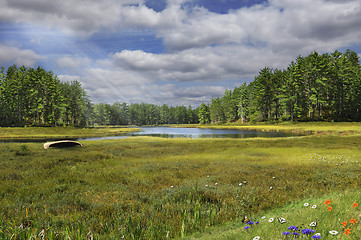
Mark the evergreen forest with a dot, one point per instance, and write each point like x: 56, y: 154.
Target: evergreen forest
x: 318, y: 87
x: 36, y: 97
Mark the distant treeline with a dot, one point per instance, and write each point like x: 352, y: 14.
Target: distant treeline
x: 35, y: 97
x: 318, y: 87
x: 143, y: 114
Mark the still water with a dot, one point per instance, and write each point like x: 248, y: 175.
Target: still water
x: 168, y: 132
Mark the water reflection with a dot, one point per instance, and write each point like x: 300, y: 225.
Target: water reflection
x: 204, y: 133
x: 168, y: 132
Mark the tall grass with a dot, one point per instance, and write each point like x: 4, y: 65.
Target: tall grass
x: 153, y: 188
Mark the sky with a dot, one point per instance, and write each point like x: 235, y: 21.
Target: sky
x: 174, y: 52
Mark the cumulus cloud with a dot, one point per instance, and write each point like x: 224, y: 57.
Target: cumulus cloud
x: 209, y: 64
x: 80, y: 17
x: 201, y: 47
x: 281, y: 25
x: 18, y: 56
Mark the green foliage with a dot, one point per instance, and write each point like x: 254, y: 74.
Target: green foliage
x: 35, y: 97
x: 204, y: 114
x: 143, y: 114
x: 314, y: 88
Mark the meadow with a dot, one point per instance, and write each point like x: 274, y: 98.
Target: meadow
x: 155, y: 188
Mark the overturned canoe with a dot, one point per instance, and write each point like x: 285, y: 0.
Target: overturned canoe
x: 62, y: 144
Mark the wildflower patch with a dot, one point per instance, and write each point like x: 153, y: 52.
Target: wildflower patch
x: 321, y: 227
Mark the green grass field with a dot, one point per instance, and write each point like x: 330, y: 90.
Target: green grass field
x: 154, y: 188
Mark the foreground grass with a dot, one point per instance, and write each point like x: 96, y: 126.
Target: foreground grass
x: 303, y: 215
x: 153, y: 188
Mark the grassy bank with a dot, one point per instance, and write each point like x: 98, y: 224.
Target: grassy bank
x: 154, y: 188
x: 39, y: 133
x: 315, y: 128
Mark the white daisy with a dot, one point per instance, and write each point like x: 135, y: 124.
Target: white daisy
x: 333, y: 232
x: 271, y: 220
x: 264, y: 217
x: 256, y: 238
x: 306, y: 204
x: 314, y: 206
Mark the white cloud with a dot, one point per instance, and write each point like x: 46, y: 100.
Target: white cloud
x: 68, y: 78
x: 202, y: 48
x: 18, y: 56
x: 73, y: 63
x: 140, y: 16
x: 109, y: 85
x: 287, y: 26
x: 210, y: 64
x: 76, y: 17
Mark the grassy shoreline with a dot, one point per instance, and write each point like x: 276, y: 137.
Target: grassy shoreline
x: 39, y: 133
x: 151, y: 188
x: 314, y: 128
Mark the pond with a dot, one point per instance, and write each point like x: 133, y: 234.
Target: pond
x: 169, y: 132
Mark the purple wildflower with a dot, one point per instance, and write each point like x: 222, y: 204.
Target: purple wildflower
x: 246, y: 227
x: 307, y: 231
x: 316, y: 236
x: 294, y: 228
x: 286, y: 233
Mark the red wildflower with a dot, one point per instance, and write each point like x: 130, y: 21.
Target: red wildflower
x: 347, y: 231
x: 327, y: 202
x: 329, y: 209
x: 344, y: 224
x: 354, y: 205
x: 353, y: 221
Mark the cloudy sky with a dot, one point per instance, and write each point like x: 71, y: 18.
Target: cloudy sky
x: 175, y: 52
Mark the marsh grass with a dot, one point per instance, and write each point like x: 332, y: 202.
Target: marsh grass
x: 154, y: 188
x: 41, y: 133
x: 319, y: 128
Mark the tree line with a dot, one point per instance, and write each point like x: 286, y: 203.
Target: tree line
x: 143, y: 114
x: 318, y: 87
x: 36, y: 97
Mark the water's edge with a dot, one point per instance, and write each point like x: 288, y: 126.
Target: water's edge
x: 170, y: 132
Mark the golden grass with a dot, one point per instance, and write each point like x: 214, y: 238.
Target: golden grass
x: 339, y: 128
x: 8, y: 133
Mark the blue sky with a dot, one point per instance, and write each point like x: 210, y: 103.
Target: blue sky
x: 175, y: 52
